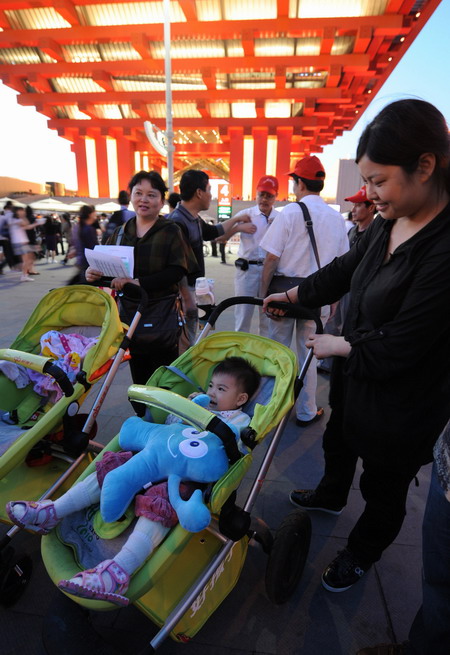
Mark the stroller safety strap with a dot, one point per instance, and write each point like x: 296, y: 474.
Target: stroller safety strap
x: 227, y: 436
x: 183, y: 376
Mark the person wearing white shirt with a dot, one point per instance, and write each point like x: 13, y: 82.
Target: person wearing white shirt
x: 249, y: 264
x: 290, y: 253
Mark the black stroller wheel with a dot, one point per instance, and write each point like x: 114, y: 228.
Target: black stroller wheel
x: 287, y: 557
x: 14, y: 576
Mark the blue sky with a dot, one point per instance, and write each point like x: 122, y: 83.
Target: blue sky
x: 32, y: 152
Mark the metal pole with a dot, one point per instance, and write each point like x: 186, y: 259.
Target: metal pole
x: 168, y: 74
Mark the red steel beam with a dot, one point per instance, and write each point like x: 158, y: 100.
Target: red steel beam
x: 189, y: 9
x: 282, y: 8
x: 329, y: 95
x: 188, y: 123
x: 363, y: 39
x: 40, y: 83
x: 66, y: 9
x: 51, y: 47
x: 141, y: 45
x: 385, y: 25
x: 4, y: 22
x: 103, y: 79
x: 327, y: 40
x: 349, y: 63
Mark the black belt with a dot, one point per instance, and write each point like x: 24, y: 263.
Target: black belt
x: 257, y: 262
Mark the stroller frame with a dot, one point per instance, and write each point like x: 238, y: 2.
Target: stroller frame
x: 266, y: 539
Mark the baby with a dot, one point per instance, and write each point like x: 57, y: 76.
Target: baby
x: 232, y: 384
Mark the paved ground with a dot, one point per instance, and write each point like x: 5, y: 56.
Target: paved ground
x: 312, y: 622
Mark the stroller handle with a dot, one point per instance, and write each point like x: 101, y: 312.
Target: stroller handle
x: 293, y: 310
x: 39, y: 364
x: 131, y: 290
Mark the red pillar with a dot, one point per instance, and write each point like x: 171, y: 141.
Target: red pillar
x: 102, y: 166
x: 125, y: 161
x: 79, y: 149
x: 284, y: 140
x: 260, y: 135
x: 236, y: 135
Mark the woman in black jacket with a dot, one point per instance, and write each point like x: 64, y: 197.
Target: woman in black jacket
x: 389, y: 391
x: 161, y: 260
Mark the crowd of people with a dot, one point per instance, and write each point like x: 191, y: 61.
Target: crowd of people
x: 387, y: 277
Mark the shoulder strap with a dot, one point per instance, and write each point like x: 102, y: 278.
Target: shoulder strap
x: 120, y: 235
x: 309, y: 227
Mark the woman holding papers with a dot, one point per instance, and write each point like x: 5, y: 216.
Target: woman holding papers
x: 84, y: 235
x: 161, y: 260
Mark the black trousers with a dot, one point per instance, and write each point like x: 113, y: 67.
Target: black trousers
x: 143, y: 364
x: 222, y: 252
x: 383, y: 489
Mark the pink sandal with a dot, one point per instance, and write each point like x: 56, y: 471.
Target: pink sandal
x: 29, y: 519
x: 92, y: 584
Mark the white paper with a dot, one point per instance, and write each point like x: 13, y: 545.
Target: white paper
x: 125, y: 253
x: 108, y: 265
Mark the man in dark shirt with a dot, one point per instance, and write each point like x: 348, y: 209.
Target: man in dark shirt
x: 195, y: 191
x: 362, y: 214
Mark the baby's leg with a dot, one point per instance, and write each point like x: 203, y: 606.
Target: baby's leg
x: 42, y: 516
x: 109, y: 580
x: 146, y: 536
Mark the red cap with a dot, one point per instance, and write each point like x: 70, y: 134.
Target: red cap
x: 310, y: 168
x: 268, y: 183
x: 361, y: 196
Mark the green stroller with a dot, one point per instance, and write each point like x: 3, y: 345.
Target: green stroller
x: 190, y: 574
x: 46, y: 444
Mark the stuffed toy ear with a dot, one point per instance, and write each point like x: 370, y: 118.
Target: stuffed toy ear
x: 202, y: 399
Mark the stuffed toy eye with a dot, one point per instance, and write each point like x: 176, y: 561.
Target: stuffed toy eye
x: 193, y: 448
x: 192, y: 433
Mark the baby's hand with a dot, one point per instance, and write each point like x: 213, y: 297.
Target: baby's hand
x: 194, y: 395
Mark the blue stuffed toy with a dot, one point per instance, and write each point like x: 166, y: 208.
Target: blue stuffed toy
x: 176, y: 452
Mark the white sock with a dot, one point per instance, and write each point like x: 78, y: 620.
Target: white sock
x: 146, y: 536
x: 83, y: 494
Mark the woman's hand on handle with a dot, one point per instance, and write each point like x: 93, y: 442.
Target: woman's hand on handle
x: 271, y: 311
x: 118, y: 283
x: 327, y: 345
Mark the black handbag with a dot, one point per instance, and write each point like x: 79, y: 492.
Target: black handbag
x: 282, y: 283
x: 160, y: 324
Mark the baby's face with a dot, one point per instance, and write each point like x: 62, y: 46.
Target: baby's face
x: 225, y: 394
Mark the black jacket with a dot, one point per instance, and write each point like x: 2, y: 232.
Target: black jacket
x: 395, y: 384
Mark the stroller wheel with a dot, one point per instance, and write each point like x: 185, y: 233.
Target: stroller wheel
x: 287, y: 558
x: 14, y: 576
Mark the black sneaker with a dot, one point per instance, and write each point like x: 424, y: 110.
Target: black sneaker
x: 310, y: 499
x: 385, y: 649
x: 343, y: 572
x: 304, y: 424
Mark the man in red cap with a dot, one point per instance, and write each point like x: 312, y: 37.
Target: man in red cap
x: 362, y: 214
x: 250, y: 260
x: 290, y: 254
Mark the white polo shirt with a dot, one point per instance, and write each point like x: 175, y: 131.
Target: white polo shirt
x: 288, y: 238
x: 249, y: 247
